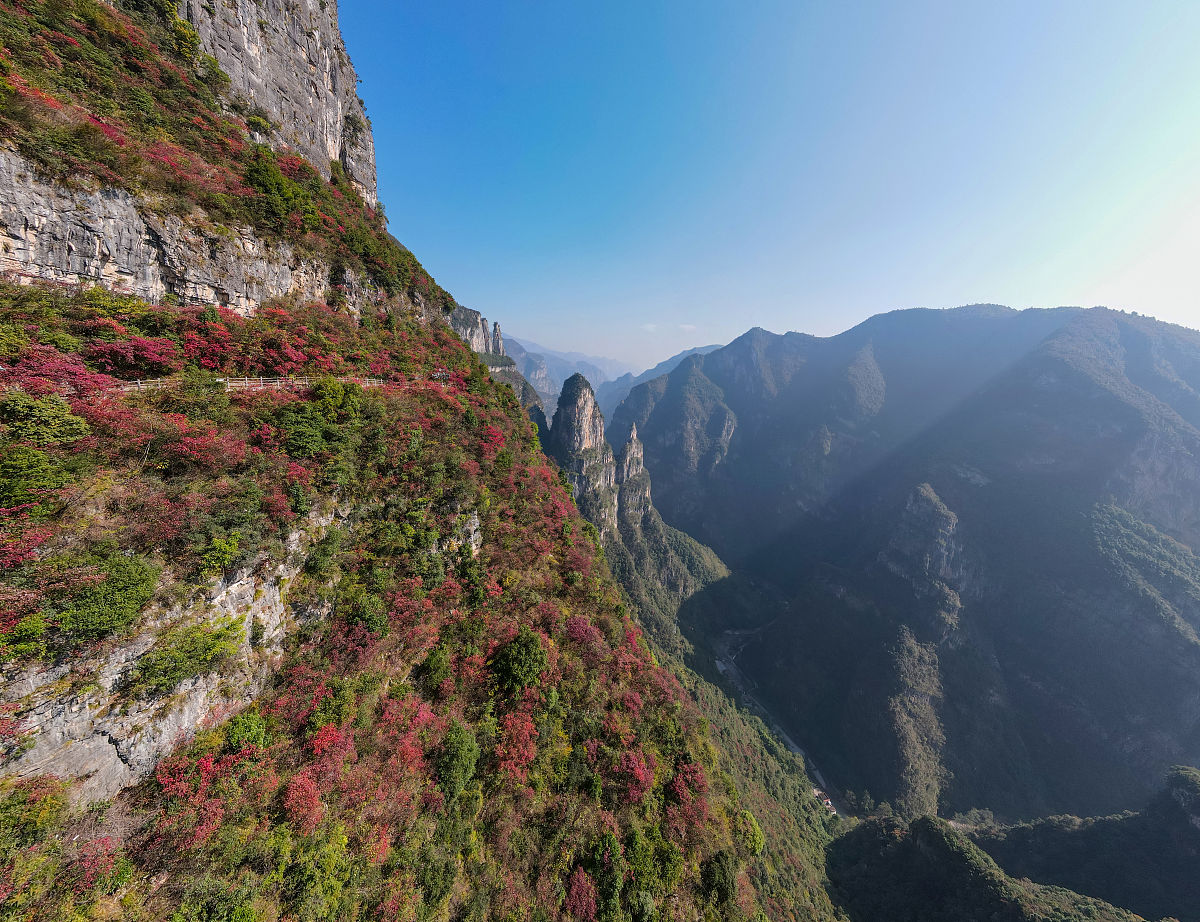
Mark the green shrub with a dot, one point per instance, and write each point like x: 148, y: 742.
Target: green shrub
x: 457, y: 759
x: 334, y: 708
x: 520, y: 662
x: 111, y: 604
x: 436, y: 668
x: 40, y: 420
x: 184, y: 652
x: 220, y: 553
x: 719, y: 876
x: 749, y: 834
x: 360, y: 606
x: 246, y: 729
x: 321, y: 560
x: 28, y: 475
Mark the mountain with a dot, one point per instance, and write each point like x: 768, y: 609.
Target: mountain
x: 602, y: 368
x: 657, y: 566
x: 981, y: 525
x: 609, y: 394
x: 548, y: 370
x: 1147, y: 861
x: 297, y: 620
x: 927, y: 871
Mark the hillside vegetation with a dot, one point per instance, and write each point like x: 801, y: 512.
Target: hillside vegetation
x: 479, y: 730
x: 460, y: 717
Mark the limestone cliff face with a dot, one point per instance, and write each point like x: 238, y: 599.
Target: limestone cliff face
x: 576, y: 441
x: 633, y: 497
x: 106, y: 237
x: 81, y: 720
x: 658, y: 567
x: 472, y: 327
x: 287, y: 58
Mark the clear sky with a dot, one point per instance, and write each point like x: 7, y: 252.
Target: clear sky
x: 631, y: 177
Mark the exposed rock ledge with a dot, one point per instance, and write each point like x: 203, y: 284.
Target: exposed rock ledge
x: 82, y: 725
x: 101, y: 237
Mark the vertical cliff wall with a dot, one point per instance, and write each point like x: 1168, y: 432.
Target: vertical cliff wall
x: 287, y: 59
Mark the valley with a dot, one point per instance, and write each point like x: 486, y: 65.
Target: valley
x: 323, y: 598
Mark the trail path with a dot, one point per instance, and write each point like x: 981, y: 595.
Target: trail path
x: 728, y: 647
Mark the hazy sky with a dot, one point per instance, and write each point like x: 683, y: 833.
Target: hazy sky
x: 631, y: 177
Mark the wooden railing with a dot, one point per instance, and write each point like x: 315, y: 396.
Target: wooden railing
x: 154, y: 384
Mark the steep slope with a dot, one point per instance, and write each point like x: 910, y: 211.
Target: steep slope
x: 127, y: 161
x: 986, y: 525
x: 457, y: 716
x: 609, y: 394
x: 286, y: 62
x: 929, y: 872
x: 1148, y: 862
x: 744, y: 441
x: 657, y: 566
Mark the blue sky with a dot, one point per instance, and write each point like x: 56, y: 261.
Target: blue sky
x: 633, y: 178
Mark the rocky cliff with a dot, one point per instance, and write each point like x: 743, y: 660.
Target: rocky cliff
x: 658, y: 567
x: 125, y: 200
x: 287, y: 62
x: 108, y: 237
x: 81, y: 720
x: 472, y: 327
x: 576, y: 441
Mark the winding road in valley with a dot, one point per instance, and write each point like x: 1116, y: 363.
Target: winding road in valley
x: 728, y: 647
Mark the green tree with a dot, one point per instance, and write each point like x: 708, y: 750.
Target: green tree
x: 520, y: 662
x: 457, y: 759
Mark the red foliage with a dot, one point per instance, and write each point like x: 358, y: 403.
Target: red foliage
x: 592, y: 646
x: 19, y: 537
x: 518, y: 745
x: 96, y: 860
x: 199, y: 789
x: 636, y: 770
x: 491, y: 442
x: 138, y: 355
x: 581, y: 896
x: 302, y: 801
x: 44, y: 370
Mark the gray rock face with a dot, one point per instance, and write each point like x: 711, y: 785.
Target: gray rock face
x: 287, y: 58
x: 85, y: 727
x: 576, y: 441
x: 106, y: 238
x: 472, y: 328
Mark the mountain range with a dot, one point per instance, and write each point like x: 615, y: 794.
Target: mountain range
x: 302, y: 618
x: 986, y: 512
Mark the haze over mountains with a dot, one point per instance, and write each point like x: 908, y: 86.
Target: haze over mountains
x: 993, y: 515
x: 301, y: 618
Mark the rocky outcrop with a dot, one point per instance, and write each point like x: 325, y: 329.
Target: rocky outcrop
x: 576, y: 441
x: 472, y: 327
x: 105, y: 238
x: 926, y: 552
x: 658, y: 567
x: 82, y: 722
x: 535, y: 370
x: 287, y: 59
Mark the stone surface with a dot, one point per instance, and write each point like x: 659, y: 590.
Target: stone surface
x: 107, y: 237
x: 472, y: 327
x: 85, y: 726
x: 287, y: 58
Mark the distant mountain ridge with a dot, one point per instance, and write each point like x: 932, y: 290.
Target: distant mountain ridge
x: 986, y: 523
x: 609, y: 394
